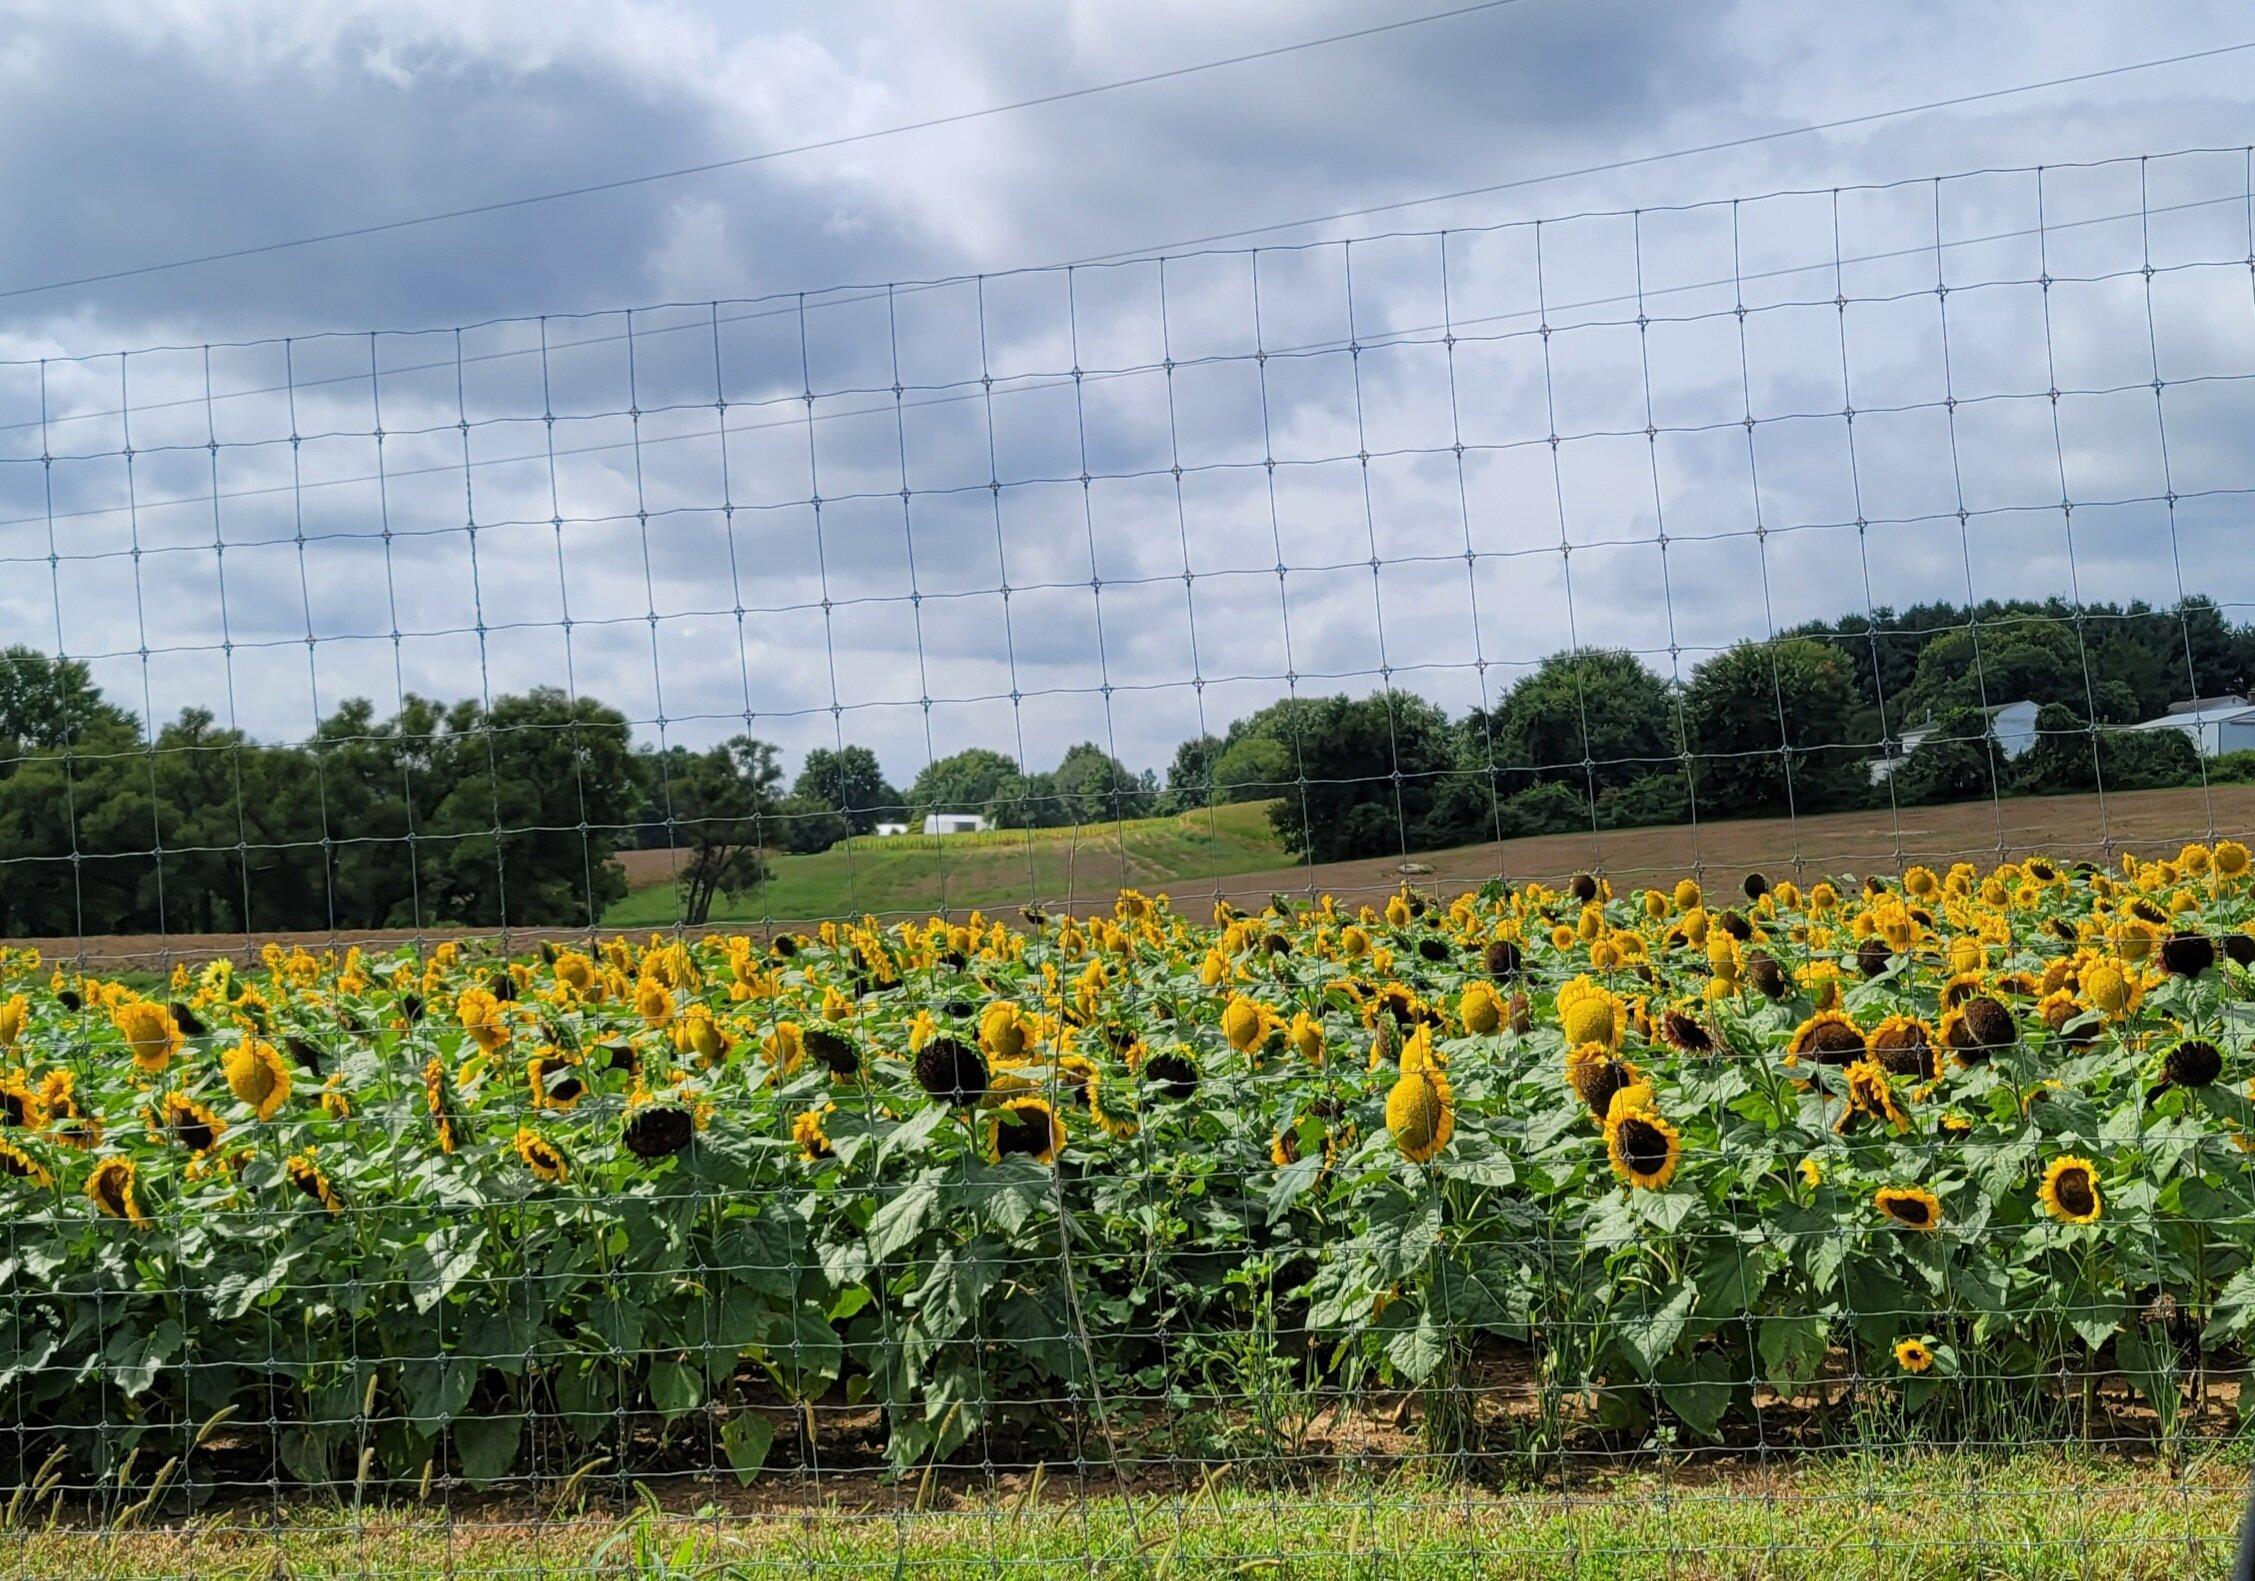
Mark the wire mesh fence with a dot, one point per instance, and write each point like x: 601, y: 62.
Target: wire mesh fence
x: 1636, y: 949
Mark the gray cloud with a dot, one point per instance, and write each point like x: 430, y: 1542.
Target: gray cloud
x: 644, y: 486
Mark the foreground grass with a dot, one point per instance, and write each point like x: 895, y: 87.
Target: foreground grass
x: 1903, y: 1516
x: 910, y: 873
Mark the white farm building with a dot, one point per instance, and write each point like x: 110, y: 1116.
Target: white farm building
x: 2012, y: 724
x: 2213, y: 724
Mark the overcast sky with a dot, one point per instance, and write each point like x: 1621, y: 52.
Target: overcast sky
x: 1147, y: 605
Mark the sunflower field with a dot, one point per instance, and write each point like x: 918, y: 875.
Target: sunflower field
x: 1946, y: 1155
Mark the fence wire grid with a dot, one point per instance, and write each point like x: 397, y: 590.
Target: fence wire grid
x: 1607, y: 919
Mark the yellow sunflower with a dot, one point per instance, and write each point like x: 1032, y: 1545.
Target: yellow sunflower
x: 1420, y: 1110
x: 1025, y: 1127
x: 1913, y: 1355
x: 257, y: 1075
x: 1111, y: 1100
x: 540, y: 1155
x: 150, y: 1032
x: 179, y: 1118
x: 1913, y: 1207
x: 2069, y: 1191
x: 306, y: 1175
x: 16, y: 1164
x: 1644, y: 1148
x: 1588, y: 1013
x: 807, y: 1131
x: 1828, y: 1038
x: 110, y: 1187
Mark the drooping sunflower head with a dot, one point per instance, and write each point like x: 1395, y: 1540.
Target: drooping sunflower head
x: 1913, y: 1207
x: 809, y: 1133
x: 2069, y: 1191
x: 438, y: 1098
x: 480, y: 1012
x: 840, y: 1055
x: 1643, y: 1148
x: 1503, y: 958
x: 541, y: 1156
x: 1420, y: 1111
x: 553, y: 1079
x: 1977, y: 1027
x: 1172, y: 1071
x: 1596, y: 1076
x: 305, y: 1174
x: 257, y: 1075
x: 1682, y: 1029
x: 1828, y: 1038
x: 150, y: 1032
x: 2192, y: 1062
x: 1913, y: 1355
x: 952, y: 1071
x: 1111, y: 1100
x: 1025, y: 1127
x: 21, y: 1106
x: 179, y: 1118
x: 2187, y: 954
x: 16, y: 1164
x: 657, y: 1130
x: 1904, y: 1046
x: 110, y: 1186
x: 1766, y: 975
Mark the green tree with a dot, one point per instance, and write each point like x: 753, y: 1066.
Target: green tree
x: 1960, y: 761
x: 804, y: 825
x: 1092, y: 786
x: 1595, y: 717
x: 48, y: 703
x: 851, y: 780
x: 724, y: 801
x: 968, y: 781
x: 1254, y: 769
x: 535, y: 791
x: 1764, y: 724
x: 1190, y: 777
x: 1375, y: 767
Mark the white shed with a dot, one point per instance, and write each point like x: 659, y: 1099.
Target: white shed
x: 953, y: 823
x: 2012, y: 724
x: 2211, y: 724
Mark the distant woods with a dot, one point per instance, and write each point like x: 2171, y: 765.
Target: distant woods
x: 512, y: 810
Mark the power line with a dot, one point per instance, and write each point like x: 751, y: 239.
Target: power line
x: 648, y: 178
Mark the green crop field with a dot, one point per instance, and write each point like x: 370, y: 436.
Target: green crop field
x: 1088, y: 862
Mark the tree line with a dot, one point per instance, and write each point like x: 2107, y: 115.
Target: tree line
x: 513, y: 809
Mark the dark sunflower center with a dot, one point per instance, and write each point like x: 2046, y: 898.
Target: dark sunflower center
x: 1834, y: 1043
x: 1022, y: 1131
x: 2073, y: 1189
x: 2195, y: 1063
x: 1910, y: 1210
x: 659, y: 1130
x: 1687, y: 1034
x: 951, y: 1071
x: 1172, y: 1074
x: 1644, y: 1146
